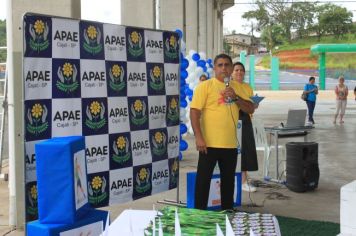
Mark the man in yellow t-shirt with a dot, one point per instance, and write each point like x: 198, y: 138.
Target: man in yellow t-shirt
x: 214, y: 113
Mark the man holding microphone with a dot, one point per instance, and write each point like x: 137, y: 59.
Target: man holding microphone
x: 214, y: 113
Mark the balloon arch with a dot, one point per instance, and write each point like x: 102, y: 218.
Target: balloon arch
x: 192, y: 66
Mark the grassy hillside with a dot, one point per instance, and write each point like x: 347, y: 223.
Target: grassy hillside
x: 297, y: 55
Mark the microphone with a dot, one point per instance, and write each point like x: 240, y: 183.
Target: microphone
x: 227, y: 81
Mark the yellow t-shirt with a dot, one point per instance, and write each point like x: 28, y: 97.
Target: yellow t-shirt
x: 218, y: 119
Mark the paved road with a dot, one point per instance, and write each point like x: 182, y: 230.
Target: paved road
x: 290, y: 80
x: 293, y: 80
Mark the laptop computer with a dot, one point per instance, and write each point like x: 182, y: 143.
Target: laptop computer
x: 296, y: 118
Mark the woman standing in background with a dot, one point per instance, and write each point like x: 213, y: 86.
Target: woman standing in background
x: 311, y: 90
x: 248, y: 145
x: 341, y: 92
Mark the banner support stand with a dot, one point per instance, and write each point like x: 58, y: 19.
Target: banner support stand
x: 176, y: 202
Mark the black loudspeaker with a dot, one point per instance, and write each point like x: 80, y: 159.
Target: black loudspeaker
x: 302, y: 166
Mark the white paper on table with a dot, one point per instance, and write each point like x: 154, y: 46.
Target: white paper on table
x: 160, y: 230
x: 122, y: 225
x: 106, y: 231
x: 218, y: 230
x: 229, y: 231
x: 177, y: 229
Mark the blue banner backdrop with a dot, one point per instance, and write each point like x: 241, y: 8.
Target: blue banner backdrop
x: 117, y: 86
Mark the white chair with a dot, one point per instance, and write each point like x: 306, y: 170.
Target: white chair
x: 262, y: 144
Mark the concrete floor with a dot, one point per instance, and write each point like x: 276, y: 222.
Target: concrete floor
x: 337, y: 164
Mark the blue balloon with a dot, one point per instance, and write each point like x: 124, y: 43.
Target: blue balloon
x: 180, y: 156
x: 188, y: 91
x: 204, y: 68
x: 184, y: 63
x: 209, y: 61
x: 211, y: 65
x: 183, y: 74
x: 182, y: 90
x: 179, y: 32
x: 201, y: 63
x: 183, y: 128
x: 196, y: 57
x: 183, y: 145
x: 183, y: 103
x: 182, y: 82
x: 190, y: 97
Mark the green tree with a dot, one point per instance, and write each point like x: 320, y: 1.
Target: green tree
x: 2, y: 40
x: 273, y: 36
x: 302, y: 16
x: 336, y: 20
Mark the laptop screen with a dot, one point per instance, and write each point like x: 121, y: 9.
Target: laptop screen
x: 296, y: 118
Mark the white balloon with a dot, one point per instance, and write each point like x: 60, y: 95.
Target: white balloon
x: 211, y: 72
x: 190, y: 70
x: 198, y: 72
x: 190, y: 131
x: 183, y: 119
x: 202, y: 55
x: 182, y: 111
x: 182, y: 47
x: 192, y: 85
x: 191, y: 52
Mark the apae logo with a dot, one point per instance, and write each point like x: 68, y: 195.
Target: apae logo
x: 92, y: 38
x: 135, y: 44
x: 37, y: 116
x: 95, y: 115
x: 96, y: 190
x: 32, y: 200
x: 67, y: 75
x: 172, y: 113
x: 39, y: 36
x: 156, y: 76
x: 159, y: 143
x: 138, y: 110
x: 171, y: 45
x: 121, y: 150
x: 143, y: 180
x: 116, y: 74
x: 174, y: 173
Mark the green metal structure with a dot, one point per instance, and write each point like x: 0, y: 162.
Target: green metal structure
x: 322, y: 49
x: 275, y: 73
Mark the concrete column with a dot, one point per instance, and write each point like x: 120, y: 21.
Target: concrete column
x: 138, y: 13
x: 192, y: 25
x: 216, y: 31
x: 171, y: 12
x: 202, y: 30
x: 210, y: 28
x: 15, y: 10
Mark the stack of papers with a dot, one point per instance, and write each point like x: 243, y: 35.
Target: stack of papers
x: 256, y: 99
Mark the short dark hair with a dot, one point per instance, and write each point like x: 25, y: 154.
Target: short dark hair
x: 222, y: 56
x: 311, y: 78
x: 239, y: 64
